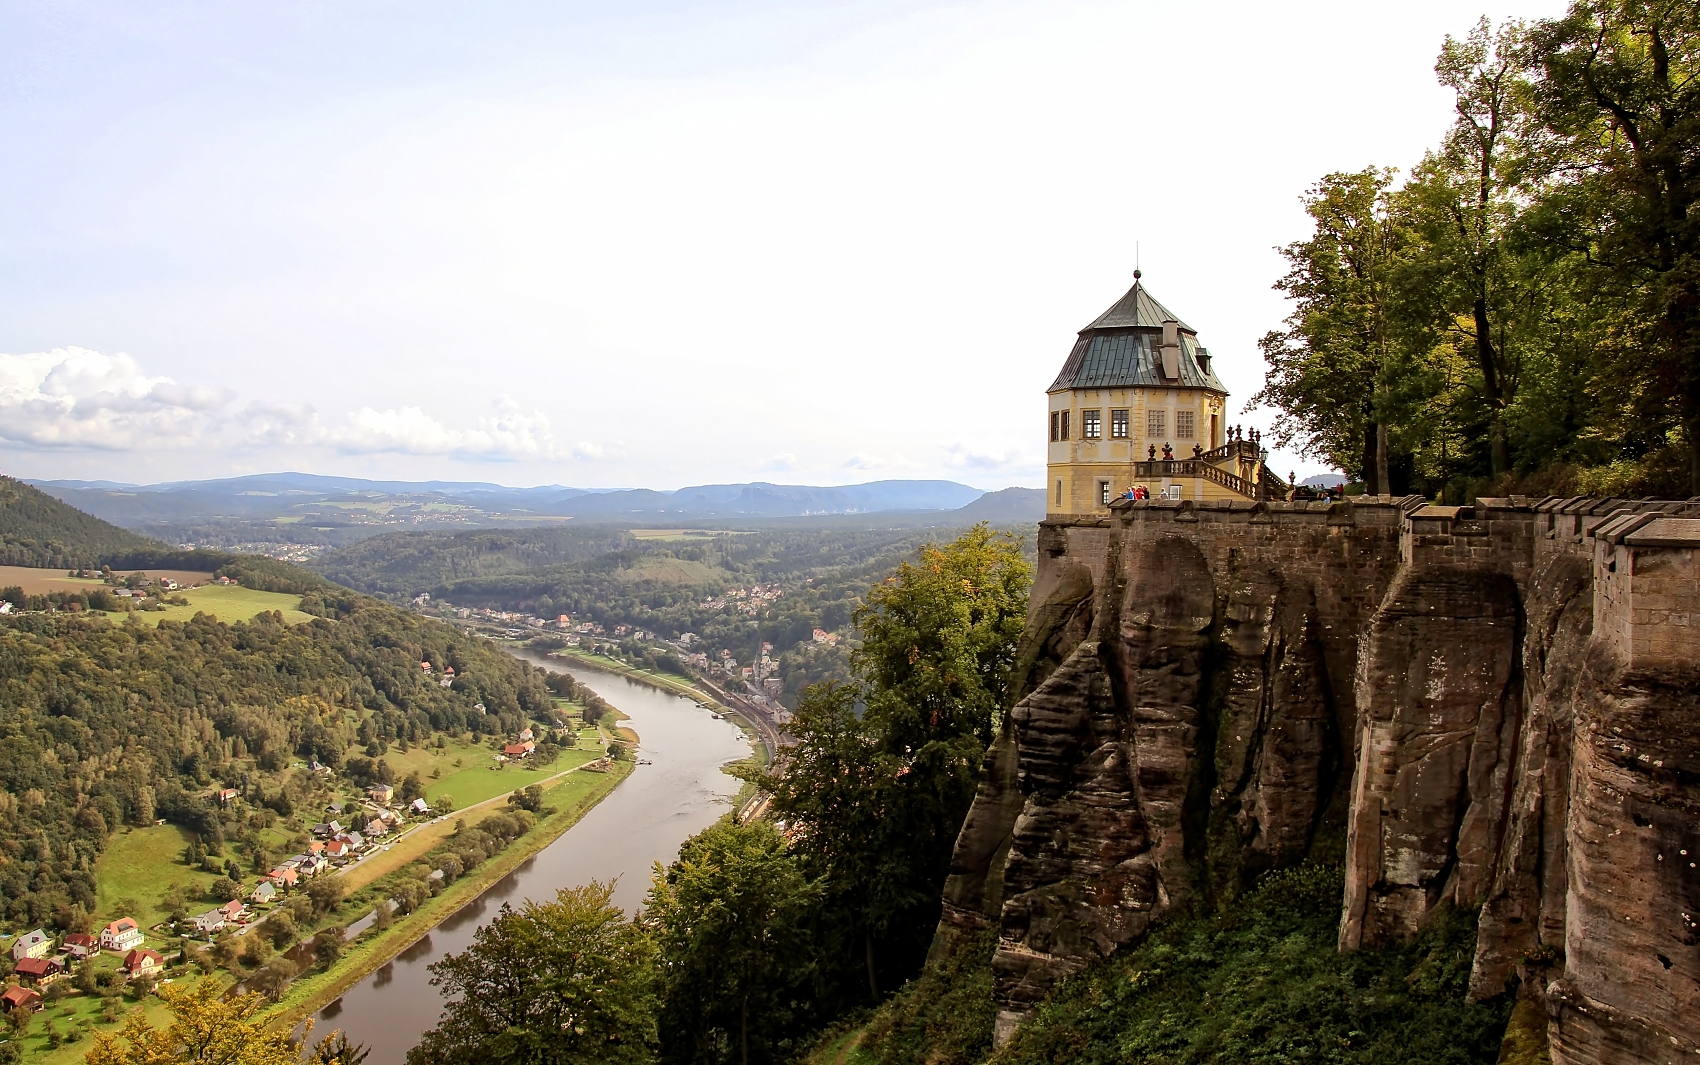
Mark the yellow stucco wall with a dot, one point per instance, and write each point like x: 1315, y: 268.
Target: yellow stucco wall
x: 1076, y: 466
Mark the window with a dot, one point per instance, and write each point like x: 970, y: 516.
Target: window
x: 1118, y: 424
x: 1183, y: 425
x: 1064, y: 424
x: 1154, y: 424
x: 1059, y: 491
x: 1089, y: 425
x: 1172, y: 492
x: 1103, y: 493
x: 1054, y: 436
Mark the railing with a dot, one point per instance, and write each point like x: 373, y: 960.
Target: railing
x: 1233, y: 449
x: 1195, y: 468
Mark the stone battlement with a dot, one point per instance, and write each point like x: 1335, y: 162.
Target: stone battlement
x: 1493, y: 706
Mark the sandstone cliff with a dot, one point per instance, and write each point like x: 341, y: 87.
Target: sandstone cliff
x: 1494, y: 707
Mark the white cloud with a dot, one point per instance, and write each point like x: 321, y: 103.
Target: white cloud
x: 77, y: 399
x: 861, y: 460
x: 511, y: 434
x: 780, y: 463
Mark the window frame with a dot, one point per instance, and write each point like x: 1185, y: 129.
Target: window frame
x: 1186, y: 425
x: 1156, y: 424
x: 1103, y: 493
x: 1120, y: 427
x: 1054, y: 420
x: 1064, y: 424
x: 1091, y: 425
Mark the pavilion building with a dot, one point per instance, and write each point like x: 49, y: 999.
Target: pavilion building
x: 1138, y: 404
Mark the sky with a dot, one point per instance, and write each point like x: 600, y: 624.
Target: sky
x: 650, y: 244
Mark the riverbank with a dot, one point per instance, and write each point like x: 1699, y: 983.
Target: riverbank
x: 313, y: 992
x: 672, y: 684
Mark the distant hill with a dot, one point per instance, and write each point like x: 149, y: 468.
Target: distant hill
x: 1012, y: 506
x: 763, y: 500
x: 343, y: 503
x: 39, y: 530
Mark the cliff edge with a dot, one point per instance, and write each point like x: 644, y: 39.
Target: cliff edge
x: 1493, y: 707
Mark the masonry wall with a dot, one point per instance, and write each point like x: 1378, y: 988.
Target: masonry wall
x: 1488, y: 706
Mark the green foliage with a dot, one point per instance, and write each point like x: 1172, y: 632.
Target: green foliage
x: 942, y: 1017
x: 38, y: 530
x: 552, y: 982
x: 1262, y: 981
x: 1524, y: 312
x: 883, y: 773
x: 102, y: 723
x: 730, y: 918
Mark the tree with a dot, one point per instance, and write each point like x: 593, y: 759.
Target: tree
x: 1618, y: 93
x: 556, y: 982
x: 527, y: 798
x: 938, y: 639
x: 205, y: 1027
x: 1470, y: 289
x: 884, y: 770
x: 412, y: 787
x: 327, y: 945
x: 1328, y: 368
x: 730, y: 918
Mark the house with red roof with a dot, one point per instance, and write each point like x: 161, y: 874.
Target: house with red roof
x: 38, y: 972
x: 519, y: 750
x: 284, y: 877
x: 20, y: 997
x: 143, y: 962
x: 81, y: 945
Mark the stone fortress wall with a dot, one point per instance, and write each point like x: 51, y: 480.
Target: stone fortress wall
x: 1494, y: 706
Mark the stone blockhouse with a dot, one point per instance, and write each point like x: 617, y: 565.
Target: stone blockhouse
x: 1493, y: 706
x: 1138, y: 402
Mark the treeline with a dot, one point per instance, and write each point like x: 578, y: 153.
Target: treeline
x: 664, y: 587
x: 104, y: 724
x: 755, y: 939
x: 1522, y: 310
x: 38, y: 530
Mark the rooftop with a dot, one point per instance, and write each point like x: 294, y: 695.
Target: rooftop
x: 1120, y: 349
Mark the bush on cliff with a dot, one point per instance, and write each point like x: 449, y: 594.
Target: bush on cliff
x: 1258, y: 981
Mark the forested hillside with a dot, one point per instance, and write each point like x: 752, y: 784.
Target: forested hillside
x: 809, y: 575
x: 104, y: 724
x: 38, y: 530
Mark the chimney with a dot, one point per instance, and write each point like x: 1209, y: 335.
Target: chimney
x: 1171, y: 351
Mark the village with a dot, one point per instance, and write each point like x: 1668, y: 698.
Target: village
x: 124, y: 958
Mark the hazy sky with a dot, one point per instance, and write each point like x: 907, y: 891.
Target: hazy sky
x: 648, y: 244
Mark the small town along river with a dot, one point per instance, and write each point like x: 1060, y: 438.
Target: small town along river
x: 643, y: 821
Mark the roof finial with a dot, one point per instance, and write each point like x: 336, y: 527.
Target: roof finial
x: 1136, y: 260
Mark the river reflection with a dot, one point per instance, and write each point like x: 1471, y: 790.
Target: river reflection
x: 643, y: 822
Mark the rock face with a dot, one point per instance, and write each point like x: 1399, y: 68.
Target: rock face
x: 1494, y: 707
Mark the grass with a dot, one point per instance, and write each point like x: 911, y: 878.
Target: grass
x: 141, y: 864
x: 482, y: 777
x: 571, y: 796
x: 36, y: 581
x: 138, y: 866
x: 229, y: 603
x: 1259, y: 980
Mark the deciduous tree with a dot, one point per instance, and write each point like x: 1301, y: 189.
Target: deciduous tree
x: 550, y: 983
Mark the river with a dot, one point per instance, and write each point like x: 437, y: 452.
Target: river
x: 643, y: 821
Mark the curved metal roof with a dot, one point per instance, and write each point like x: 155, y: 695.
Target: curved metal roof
x: 1120, y: 350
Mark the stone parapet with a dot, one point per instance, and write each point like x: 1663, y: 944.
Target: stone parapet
x: 1493, y: 705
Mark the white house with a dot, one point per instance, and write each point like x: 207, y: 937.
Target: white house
x: 34, y: 944
x: 122, y: 935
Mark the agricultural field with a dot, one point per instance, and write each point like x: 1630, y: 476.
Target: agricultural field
x: 481, y: 777
x: 229, y: 603
x: 41, y: 581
